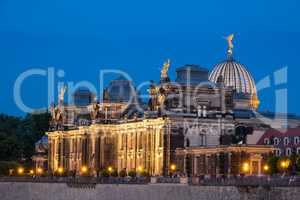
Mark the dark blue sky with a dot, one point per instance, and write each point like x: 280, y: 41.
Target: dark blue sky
x: 82, y: 37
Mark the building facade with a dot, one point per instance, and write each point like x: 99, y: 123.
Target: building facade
x: 40, y: 157
x: 194, y: 115
x: 224, y: 160
x: 285, y: 141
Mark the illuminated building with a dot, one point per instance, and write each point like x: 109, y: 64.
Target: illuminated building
x: 183, y: 120
x: 40, y: 156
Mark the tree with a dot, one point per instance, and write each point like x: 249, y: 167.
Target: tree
x: 10, y: 145
x: 18, y: 136
x: 273, y: 164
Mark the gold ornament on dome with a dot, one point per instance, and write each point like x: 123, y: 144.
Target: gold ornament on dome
x: 255, y: 101
x: 230, y: 44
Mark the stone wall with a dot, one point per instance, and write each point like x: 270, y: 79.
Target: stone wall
x: 60, y: 191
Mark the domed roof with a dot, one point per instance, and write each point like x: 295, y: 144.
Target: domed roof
x: 234, y: 75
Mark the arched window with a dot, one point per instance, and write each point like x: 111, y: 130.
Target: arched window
x: 276, y: 141
x: 286, y: 141
x: 278, y: 152
x: 288, y: 151
x: 298, y: 150
x: 296, y: 140
x: 266, y: 141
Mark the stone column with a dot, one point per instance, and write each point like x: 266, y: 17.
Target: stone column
x: 207, y: 165
x: 217, y: 164
x: 76, y: 152
x: 229, y: 164
x: 259, y: 167
x: 93, y: 153
x: 61, y: 153
x: 71, y: 155
x: 184, y: 163
x: 195, y: 167
x: 102, y: 151
x: 50, y: 154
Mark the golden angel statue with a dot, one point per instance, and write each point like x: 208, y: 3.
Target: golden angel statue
x: 61, y: 95
x: 165, y: 69
x: 56, y: 116
x: 229, y: 40
x: 230, y: 45
x: 94, y: 110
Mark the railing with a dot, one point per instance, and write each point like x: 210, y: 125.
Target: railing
x: 79, y: 180
x: 232, y: 181
x: 167, y: 180
x: 251, y: 181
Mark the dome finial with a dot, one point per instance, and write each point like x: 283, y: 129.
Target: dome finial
x: 230, y: 45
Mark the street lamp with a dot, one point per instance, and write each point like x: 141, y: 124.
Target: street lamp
x: 20, y: 170
x: 173, y: 167
x: 283, y: 164
x: 110, y: 169
x: 140, y: 168
x: 246, y: 167
x: 266, y: 168
x: 31, y: 172
x: 84, y: 169
x: 60, y: 170
x: 39, y: 170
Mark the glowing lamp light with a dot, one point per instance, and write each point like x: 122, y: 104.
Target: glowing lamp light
x: 173, y: 167
x: 110, y: 169
x: 20, y: 170
x: 245, y: 167
x: 31, y: 172
x: 39, y: 170
x: 283, y: 164
x: 60, y: 170
x: 140, y: 168
x: 266, y: 168
x: 84, y: 169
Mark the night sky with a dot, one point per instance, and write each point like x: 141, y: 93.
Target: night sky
x: 82, y: 37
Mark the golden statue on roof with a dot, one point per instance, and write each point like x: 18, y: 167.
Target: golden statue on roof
x: 230, y: 44
x: 229, y: 40
x: 61, y: 94
x: 165, y: 69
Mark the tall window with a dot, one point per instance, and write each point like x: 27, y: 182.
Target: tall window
x: 286, y: 141
x: 130, y: 140
x: 296, y: 140
x: 161, y: 138
x: 122, y: 141
x: 276, y: 141
x: 298, y: 150
x: 288, y: 151
x: 278, y: 152
x: 141, y: 140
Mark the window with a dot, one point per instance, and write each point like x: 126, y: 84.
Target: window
x: 288, y: 151
x: 266, y: 141
x: 161, y: 139
x: 278, y: 152
x: 286, y: 141
x: 276, y: 141
x: 298, y: 150
x: 141, y: 140
x: 296, y: 140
